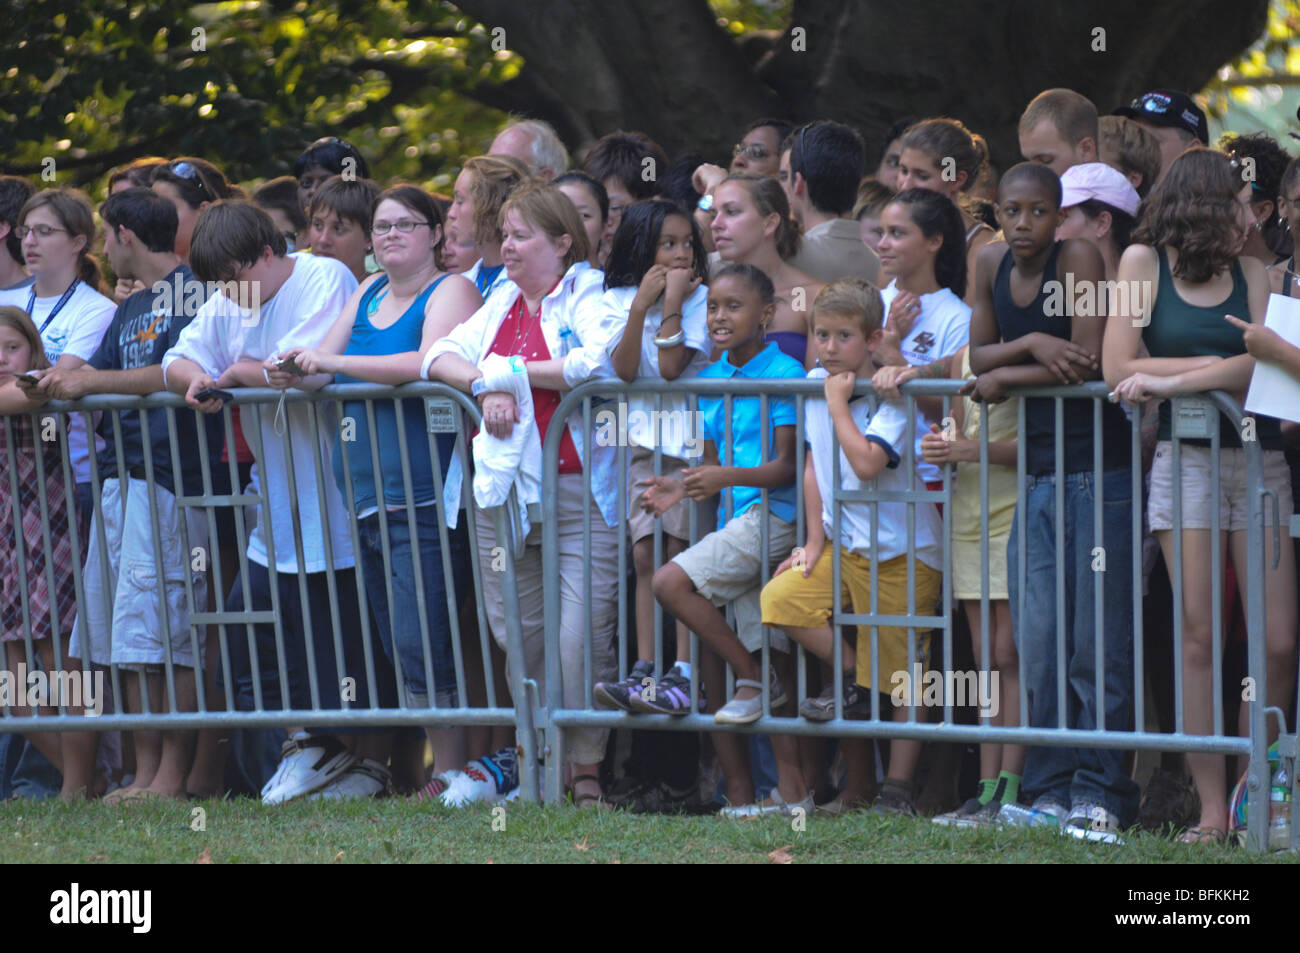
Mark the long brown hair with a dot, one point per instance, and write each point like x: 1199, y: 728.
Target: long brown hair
x: 20, y: 321
x: 1194, y: 210
x: 74, y: 213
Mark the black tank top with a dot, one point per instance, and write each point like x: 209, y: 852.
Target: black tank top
x: 1040, y: 412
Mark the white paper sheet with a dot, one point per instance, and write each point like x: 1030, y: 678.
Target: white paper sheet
x: 1273, y: 392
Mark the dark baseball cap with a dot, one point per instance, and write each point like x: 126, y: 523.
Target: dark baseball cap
x: 1169, y: 107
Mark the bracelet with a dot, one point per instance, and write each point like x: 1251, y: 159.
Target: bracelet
x: 675, y: 314
x: 671, y: 341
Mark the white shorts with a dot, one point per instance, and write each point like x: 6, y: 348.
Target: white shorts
x: 727, y: 567
x: 121, y: 614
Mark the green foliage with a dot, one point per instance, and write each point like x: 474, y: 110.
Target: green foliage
x: 245, y: 84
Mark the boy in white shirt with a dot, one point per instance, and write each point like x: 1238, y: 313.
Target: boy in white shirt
x: 280, y: 303
x: 872, y: 446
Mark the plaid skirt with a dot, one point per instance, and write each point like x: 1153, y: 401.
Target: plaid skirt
x: 42, y: 575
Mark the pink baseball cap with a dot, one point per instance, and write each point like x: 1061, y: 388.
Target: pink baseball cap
x: 1097, y: 180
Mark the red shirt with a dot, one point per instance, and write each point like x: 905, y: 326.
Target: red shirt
x: 521, y: 335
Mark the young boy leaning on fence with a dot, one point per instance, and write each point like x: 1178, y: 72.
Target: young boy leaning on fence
x: 872, y: 446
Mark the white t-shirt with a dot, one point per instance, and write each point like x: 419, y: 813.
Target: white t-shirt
x: 888, y: 428
x: 77, y: 330
x: 678, y: 434
x: 300, y: 314
x: 942, y: 328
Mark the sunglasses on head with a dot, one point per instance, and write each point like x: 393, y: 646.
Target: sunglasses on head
x: 190, y: 174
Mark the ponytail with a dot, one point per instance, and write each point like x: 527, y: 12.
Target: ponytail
x: 934, y: 214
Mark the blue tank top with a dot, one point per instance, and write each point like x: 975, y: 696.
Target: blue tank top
x: 401, y: 336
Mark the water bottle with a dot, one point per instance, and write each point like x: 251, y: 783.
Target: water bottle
x: 1279, y: 809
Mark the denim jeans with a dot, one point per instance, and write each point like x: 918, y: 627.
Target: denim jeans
x: 1076, y: 775
x: 400, y: 622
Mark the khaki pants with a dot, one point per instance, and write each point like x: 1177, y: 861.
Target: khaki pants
x: 583, y: 745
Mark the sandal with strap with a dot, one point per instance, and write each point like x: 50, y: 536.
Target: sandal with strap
x: 584, y: 801
x: 1204, y: 835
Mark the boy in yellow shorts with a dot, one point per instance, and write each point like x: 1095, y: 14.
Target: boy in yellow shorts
x: 800, y: 599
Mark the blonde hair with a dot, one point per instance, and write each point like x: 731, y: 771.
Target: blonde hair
x: 1072, y: 114
x: 493, y: 179
x: 1124, y: 145
x: 21, y: 321
x: 852, y: 297
x: 550, y: 211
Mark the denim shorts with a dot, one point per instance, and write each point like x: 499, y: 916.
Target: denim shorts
x: 415, y: 596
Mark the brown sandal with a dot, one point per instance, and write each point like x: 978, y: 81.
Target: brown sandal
x: 1204, y: 835
x: 584, y: 801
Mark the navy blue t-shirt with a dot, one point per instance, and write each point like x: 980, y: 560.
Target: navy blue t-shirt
x: 145, y: 326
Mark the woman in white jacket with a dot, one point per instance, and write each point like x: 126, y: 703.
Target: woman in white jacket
x: 547, y: 316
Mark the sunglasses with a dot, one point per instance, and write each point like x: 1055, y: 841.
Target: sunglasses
x: 191, y: 174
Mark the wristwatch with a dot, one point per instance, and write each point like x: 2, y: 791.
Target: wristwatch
x: 705, y: 204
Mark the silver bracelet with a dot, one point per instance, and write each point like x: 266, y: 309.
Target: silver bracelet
x: 673, y: 340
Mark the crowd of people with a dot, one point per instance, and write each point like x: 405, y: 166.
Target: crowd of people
x: 807, y: 258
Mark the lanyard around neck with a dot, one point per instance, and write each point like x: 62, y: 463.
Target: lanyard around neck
x: 31, y: 303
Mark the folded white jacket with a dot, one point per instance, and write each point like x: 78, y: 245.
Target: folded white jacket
x: 516, y: 461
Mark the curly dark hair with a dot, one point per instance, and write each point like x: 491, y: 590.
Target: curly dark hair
x: 1194, y: 210
x: 1270, y: 163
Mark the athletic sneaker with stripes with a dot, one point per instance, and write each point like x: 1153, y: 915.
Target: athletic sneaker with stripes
x: 620, y: 695
x: 671, y: 695
x: 307, y: 763
x: 492, y: 778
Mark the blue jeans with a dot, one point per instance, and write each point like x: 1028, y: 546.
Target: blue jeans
x: 400, y: 622
x: 1076, y: 775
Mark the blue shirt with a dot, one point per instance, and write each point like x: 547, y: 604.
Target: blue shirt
x: 746, y: 424
x: 401, y: 336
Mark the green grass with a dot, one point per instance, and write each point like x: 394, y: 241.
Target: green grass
x: 394, y: 832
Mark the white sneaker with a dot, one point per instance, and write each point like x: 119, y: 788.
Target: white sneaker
x: 365, y: 778
x: 1092, y: 822
x: 778, y: 806
x: 307, y: 763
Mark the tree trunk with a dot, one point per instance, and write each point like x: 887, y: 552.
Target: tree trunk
x: 666, y: 68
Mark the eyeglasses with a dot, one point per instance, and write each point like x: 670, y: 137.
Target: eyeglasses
x: 42, y: 231
x: 755, y: 150
x: 190, y: 174
x: 405, y: 227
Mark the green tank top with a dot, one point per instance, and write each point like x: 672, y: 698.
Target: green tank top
x: 1179, y: 329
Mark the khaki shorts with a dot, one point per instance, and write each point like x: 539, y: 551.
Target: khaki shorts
x: 1198, y: 488
x: 677, y: 521
x: 793, y: 601
x: 727, y: 567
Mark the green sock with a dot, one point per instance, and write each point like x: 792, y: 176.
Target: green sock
x: 987, y: 786
x: 1011, y: 790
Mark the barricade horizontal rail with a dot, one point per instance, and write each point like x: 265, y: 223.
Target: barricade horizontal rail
x: 583, y: 621
x: 318, y: 522
x: 612, y: 404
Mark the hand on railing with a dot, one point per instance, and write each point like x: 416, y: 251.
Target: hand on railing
x: 987, y: 388
x: 1060, y: 355
x: 313, y: 361
x: 500, y: 413
x: 887, y: 381
x: 1143, y: 387
x: 211, y: 405
x: 62, y: 383
x: 282, y: 372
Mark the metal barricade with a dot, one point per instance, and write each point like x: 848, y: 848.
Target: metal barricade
x: 605, y: 397
x: 446, y: 410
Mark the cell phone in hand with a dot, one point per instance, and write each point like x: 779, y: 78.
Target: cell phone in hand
x: 208, y: 393
x: 28, y: 379
x: 290, y: 366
